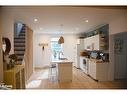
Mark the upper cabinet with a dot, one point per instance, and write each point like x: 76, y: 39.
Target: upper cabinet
x: 97, y: 40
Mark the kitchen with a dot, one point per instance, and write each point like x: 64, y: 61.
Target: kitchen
x: 92, y: 54
x: 88, y: 42
x: 72, y: 52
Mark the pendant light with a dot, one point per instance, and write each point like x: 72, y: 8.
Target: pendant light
x: 61, y: 39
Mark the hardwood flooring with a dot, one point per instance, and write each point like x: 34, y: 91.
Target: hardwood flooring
x: 41, y: 80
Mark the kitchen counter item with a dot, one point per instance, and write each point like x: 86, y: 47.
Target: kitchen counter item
x: 83, y: 53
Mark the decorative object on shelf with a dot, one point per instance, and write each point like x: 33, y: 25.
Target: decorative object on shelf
x: 43, y: 45
x: 96, y: 32
x: 61, y: 39
x: 84, y: 53
x: 12, y: 61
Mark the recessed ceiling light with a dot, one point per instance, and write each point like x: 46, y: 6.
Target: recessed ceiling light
x: 86, y: 20
x: 35, y: 19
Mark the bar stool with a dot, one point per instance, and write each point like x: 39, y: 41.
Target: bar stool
x: 53, y: 72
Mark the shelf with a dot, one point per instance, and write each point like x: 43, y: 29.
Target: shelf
x: 15, y: 77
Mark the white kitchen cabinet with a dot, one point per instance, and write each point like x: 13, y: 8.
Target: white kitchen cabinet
x: 98, y: 70
x: 78, y: 48
x: 96, y: 42
x: 88, y: 43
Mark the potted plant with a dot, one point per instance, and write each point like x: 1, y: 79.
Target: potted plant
x: 13, y: 59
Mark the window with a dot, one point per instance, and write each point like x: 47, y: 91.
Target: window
x: 56, y: 48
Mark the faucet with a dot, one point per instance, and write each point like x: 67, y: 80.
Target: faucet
x: 60, y: 54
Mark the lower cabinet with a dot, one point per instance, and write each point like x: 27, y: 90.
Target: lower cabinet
x: 65, y: 72
x: 15, y: 77
x: 98, y: 71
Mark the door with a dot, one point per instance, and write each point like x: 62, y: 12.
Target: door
x: 120, y: 55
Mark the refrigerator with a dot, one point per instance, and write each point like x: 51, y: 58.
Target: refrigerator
x: 79, y: 46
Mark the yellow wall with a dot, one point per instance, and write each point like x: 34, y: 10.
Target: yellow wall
x: 1, y: 58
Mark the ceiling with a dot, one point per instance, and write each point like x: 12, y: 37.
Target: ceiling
x: 72, y: 18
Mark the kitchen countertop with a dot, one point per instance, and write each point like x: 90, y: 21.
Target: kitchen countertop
x: 61, y: 61
x: 95, y: 60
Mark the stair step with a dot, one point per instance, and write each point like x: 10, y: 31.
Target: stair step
x: 19, y: 49
x: 24, y: 27
x: 23, y: 31
x: 21, y: 37
x: 19, y: 43
x: 20, y: 58
x: 22, y: 34
x: 18, y: 39
x: 19, y: 53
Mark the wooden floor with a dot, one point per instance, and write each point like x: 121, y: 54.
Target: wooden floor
x: 41, y: 80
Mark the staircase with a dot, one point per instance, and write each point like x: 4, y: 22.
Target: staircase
x: 19, y: 45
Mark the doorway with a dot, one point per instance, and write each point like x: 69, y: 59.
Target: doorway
x: 120, y: 55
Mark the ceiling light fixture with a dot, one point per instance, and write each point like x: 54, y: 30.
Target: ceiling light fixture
x: 35, y: 20
x: 86, y: 21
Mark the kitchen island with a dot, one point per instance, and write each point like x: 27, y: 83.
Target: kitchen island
x: 64, y: 68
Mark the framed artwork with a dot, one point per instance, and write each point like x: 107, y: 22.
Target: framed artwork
x: 119, y: 45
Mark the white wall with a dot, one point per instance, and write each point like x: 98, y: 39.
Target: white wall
x: 8, y: 27
x: 42, y: 58
x: 116, y: 26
